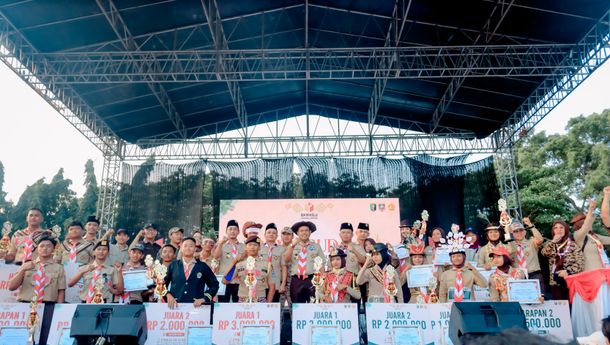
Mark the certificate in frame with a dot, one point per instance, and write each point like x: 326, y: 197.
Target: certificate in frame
x: 199, y: 335
x: 135, y: 280
x: 256, y: 335
x: 14, y: 335
x: 325, y: 335
x: 222, y: 288
x: 441, y: 257
x: 419, y: 276
x: 524, y: 291
x: 407, y: 335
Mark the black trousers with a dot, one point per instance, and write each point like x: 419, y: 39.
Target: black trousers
x: 301, y: 290
x: 276, y: 296
x: 230, y: 294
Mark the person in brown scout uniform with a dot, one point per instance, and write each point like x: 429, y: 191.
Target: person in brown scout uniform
x: 592, y: 244
x: 259, y: 272
x: 175, y: 236
x: 207, y: 246
x: 42, y: 278
x: 23, y: 241
x: 526, y: 250
x: 338, y: 282
x: 97, y: 275
x: 92, y: 226
x: 134, y: 264
x: 457, y: 282
x: 417, y: 257
x: 494, y: 234
x: 274, y: 255
x: 498, y: 291
x: 383, y: 281
x: 356, y: 256
x: 119, y: 251
x: 226, y: 252
x: 303, y: 253
x: 287, y: 235
x: 74, y: 249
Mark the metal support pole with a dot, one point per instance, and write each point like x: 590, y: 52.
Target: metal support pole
x: 507, y: 178
x: 107, y: 204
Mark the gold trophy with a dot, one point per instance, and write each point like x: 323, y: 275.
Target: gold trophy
x: 56, y: 230
x: 6, y: 240
x: 317, y: 279
x: 432, y: 287
x: 390, y: 288
x: 214, y: 265
x: 98, y: 298
x: 150, y: 273
x: 33, y: 319
x: 250, y: 278
x: 160, y: 271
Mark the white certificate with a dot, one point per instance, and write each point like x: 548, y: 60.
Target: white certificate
x: 525, y: 291
x: 325, y: 335
x: 256, y: 335
x: 419, y: 276
x: 406, y: 335
x: 441, y: 257
x: 135, y: 280
x: 222, y: 288
x: 14, y: 335
x: 401, y: 251
x: 199, y: 335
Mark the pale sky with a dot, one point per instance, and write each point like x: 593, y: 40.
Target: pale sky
x: 36, y: 141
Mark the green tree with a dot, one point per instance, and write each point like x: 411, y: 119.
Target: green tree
x: 5, y: 206
x: 87, y: 204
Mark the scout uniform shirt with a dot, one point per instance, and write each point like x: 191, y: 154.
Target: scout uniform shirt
x: 55, y: 281
x: 351, y: 261
x: 110, y: 277
x: 18, y: 243
x: 116, y: 253
x: 469, y: 278
x: 312, y: 250
x: 498, y: 291
x: 83, y: 250
x: 530, y: 251
x: 209, y: 261
x: 336, y: 277
x: 592, y: 256
x: 226, y: 258
x: 260, y: 267
x: 374, y: 276
x: 484, y: 252
x: 277, y: 261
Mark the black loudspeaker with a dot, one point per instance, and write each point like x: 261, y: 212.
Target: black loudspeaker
x: 119, y: 324
x: 483, y: 318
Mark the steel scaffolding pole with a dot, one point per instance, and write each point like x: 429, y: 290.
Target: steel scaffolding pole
x: 107, y: 204
x: 507, y: 177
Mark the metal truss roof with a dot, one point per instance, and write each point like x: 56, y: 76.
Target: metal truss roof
x: 451, y: 76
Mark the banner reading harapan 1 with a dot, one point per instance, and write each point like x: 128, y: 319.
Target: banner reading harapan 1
x: 382, y: 215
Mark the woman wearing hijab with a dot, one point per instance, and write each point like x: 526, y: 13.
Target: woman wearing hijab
x: 565, y: 258
x: 384, y: 283
x: 498, y: 291
x: 494, y: 234
x: 473, y: 238
x: 338, y: 282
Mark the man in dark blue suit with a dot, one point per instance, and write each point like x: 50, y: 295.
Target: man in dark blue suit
x: 191, y: 280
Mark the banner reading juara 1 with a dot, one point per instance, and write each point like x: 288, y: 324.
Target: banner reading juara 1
x: 382, y: 215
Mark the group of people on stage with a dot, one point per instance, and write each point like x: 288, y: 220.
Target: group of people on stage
x: 294, y: 268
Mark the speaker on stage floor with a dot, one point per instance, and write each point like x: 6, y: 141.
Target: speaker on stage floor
x: 119, y: 324
x: 483, y: 318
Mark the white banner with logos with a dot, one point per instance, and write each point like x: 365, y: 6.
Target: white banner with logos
x: 229, y: 318
x: 17, y: 315
x: 7, y: 271
x: 165, y: 326
x: 342, y: 315
x: 381, y: 318
x: 550, y: 319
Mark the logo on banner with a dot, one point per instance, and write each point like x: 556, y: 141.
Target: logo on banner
x: 373, y: 207
x: 382, y: 207
x: 309, y: 210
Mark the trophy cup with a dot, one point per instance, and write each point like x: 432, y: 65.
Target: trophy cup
x: 390, y: 287
x: 433, y: 298
x: 33, y: 319
x: 214, y: 265
x: 505, y: 220
x: 6, y: 240
x: 56, y: 230
x: 98, y: 298
x: 150, y: 272
x: 160, y: 271
x: 317, y: 279
x: 251, y: 278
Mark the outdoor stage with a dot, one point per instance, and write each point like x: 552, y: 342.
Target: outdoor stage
x: 229, y: 323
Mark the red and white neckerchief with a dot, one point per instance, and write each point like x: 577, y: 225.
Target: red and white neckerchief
x: 333, y: 282
x: 91, y: 292
x: 302, y: 263
x: 403, y: 265
x: 521, y: 257
x: 28, y: 248
x: 458, y: 295
x: 73, y: 253
x: 187, y: 268
x: 423, y: 291
x: 270, y: 253
x: 40, y: 280
x: 603, y: 257
x: 234, y: 250
x: 386, y: 283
